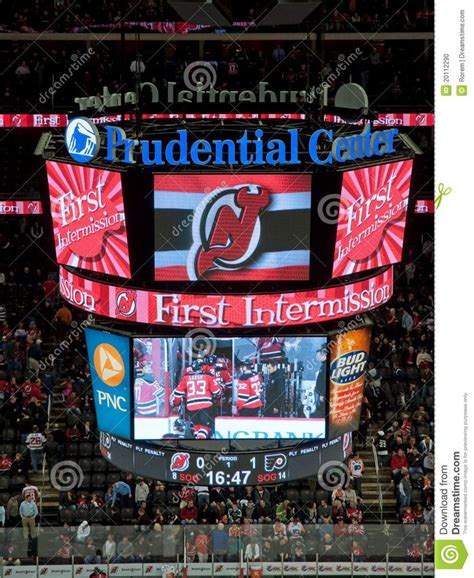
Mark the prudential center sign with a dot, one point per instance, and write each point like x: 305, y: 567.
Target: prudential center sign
x: 252, y: 148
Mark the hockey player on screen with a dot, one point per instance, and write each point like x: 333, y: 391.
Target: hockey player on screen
x: 149, y: 394
x: 249, y: 391
x: 198, y: 391
x: 218, y: 367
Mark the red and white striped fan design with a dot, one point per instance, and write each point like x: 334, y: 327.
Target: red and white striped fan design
x: 372, y: 217
x: 88, y: 218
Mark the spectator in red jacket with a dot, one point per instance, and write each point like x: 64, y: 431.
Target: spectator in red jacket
x: 189, y: 514
x: 397, y: 463
x: 5, y: 463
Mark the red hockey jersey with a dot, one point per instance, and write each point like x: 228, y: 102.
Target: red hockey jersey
x: 197, y: 390
x: 270, y: 347
x: 249, y: 392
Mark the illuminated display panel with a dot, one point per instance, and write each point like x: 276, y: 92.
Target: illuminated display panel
x: 372, y: 217
x: 232, y: 227
x: 230, y: 388
x: 88, y: 218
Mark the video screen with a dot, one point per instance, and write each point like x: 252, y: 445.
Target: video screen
x: 231, y: 388
x: 88, y: 218
x: 242, y: 227
x: 372, y: 217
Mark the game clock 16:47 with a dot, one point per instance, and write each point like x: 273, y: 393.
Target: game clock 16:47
x: 236, y: 471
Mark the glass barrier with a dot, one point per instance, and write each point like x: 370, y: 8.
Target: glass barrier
x: 245, y: 542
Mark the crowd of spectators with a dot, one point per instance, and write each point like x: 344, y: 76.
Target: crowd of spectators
x: 349, y: 15
x: 400, y: 387
x: 381, y: 68
x: 266, y: 523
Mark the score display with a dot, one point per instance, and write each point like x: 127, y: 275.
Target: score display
x: 223, y: 467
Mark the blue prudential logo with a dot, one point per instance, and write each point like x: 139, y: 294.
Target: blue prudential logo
x: 82, y: 139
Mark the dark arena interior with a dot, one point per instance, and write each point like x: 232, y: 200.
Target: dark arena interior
x: 216, y: 288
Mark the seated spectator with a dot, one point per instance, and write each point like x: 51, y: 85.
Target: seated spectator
x: 262, y: 513
x: 5, y: 463
x: 234, y: 514
x: 311, y: 514
x: 324, y: 513
x: 188, y: 514
x: 73, y: 434
x: 252, y: 551
x: 110, y: 548
x: 295, y: 528
x: 125, y: 551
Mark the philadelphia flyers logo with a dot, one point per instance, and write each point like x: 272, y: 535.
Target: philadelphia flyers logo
x: 126, y: 303
x: 226, y: 229
x: 275, y: 462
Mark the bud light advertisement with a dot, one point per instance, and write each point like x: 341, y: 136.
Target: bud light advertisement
x: 109, y: 361
x: 348, y: 355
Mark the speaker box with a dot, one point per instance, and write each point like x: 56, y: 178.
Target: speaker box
x: 281, y: 12
x: 211, y: 12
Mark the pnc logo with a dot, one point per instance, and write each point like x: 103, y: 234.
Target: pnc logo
x: 109, y: 364
x: 82, y: 140
x: 226, y: 229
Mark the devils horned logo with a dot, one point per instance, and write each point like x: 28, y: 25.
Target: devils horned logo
x: 226, y: 229
x: 180, y: 462
x: 126, y: 303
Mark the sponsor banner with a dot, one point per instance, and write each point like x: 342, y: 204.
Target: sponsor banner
x: 109, y: 361
x: 53, y: 571
x: 390, y: 119
x: 232, y: 227
x: 88, y: 218
x: 424, y: 207
x: 227, y: 569
x: 227, y: 311
x: 349, y: 353
x: 85, y: 570
x: 125, y: 570
x: 372, y: 217
x: 19, y: 571
x: 33, y: 120
x: 261, y: 428
x: 21, y: 208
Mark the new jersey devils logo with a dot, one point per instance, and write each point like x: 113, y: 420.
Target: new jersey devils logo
x: 126, y: 303
x: 180, y: 462
x: 226, y: 229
